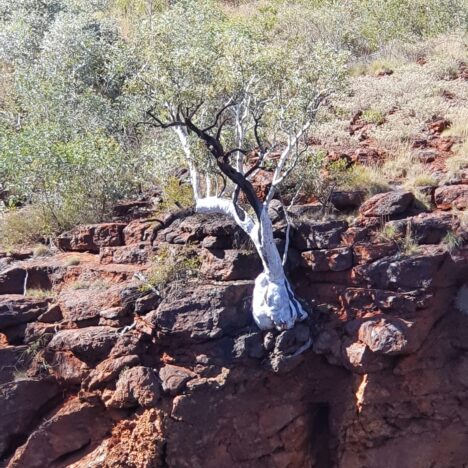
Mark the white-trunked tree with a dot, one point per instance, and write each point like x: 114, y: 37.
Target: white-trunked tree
x: 238, y: 95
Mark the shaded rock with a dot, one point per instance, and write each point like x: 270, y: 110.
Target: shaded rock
x: 347, y: 200
x: 204, y: 311
x: 12, y: 280
x: 329, y: 260
x: 174, y: 378
x: 230, y: 265
x: 318, y: 235
x: 136, y: 386
x: 355, y: 234
x: 251, y: 345
x: 16, y: 309
x: 72, y: 427
x: 51, y: 315
x: 387, y: 204
x: 11, y: 358
x: 452, y: 196
x: 92, y: 237
x: 90, y: 344
x: 401, y: 273
x: 21, y: 403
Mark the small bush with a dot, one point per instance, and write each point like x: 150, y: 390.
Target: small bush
x: 176, y: 194
x: 373, y: 116
x: 24, y: 227
x: 169, y: 265
x: 41, y: 250
x: 452, y: 241
x: 38, y: 293
x: 369, y: 179
x: 72, y: 261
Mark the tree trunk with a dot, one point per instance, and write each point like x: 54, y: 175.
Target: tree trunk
x: 274, y: 303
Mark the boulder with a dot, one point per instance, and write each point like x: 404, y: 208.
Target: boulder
x: 199, y: 312
x: 128, y: 254
x: 339, y: 259
x: 369, y: 252
x: 384, y: 336
x: 16, y: 309
x: 108, y: 370
x: 90, y: 344
x: 174, y: 378
x: 318, y: 235
x: 66, y: 367
x: 92, y: 237
x: 452, y: 196
x: 137, y: 386
x: 21, y: 403
x: 426, y: 228
x: 12, y: 280
x: 347, y: 200
x: 230, y: 265
x: 69, y: 429
x: 387, y: 204
x: 139, y: 230
x: 83, y: 303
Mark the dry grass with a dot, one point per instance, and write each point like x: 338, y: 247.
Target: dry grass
x: 39, y: 293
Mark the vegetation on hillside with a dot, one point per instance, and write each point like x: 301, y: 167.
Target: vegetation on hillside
x: 74, y: 78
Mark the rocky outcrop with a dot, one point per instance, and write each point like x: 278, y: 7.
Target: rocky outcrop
x: 109, y: 371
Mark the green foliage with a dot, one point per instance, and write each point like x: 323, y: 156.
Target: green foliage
x: 373, y: 116
x: 170, y: 265
x: 176, y: 194
x: 452, y: 241
x: 27, y: 226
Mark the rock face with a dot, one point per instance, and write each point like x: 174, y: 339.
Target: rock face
x: 111, y: 372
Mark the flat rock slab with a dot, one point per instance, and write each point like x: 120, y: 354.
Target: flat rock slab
x: 16, y: 309
x: 387, y: 204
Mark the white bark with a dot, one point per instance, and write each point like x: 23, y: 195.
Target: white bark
x: 274, y: 303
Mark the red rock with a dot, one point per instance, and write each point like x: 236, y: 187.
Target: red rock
x: 229, y: 265
x: 139, y: 231
x: 71, y: 428
x: 452, y: 196
x: 67, y: 368
x: 384, y: 336
x: 136, y: 386
x: 437, y: 125
x: 359, y: 358
x: 90, y: 344
x: 92, y: 237
x: 16, y: 309
x: 174, y: 378
x: 109, y: 370
x: 367, y: 252
x: 81, y: 304
x: 128, y: 254
x: 51, y: 315
x: 387, y: 204
x: 339, y: 259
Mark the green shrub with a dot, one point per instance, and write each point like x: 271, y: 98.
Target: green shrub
x: 373, y: 116
x: 172, y: 265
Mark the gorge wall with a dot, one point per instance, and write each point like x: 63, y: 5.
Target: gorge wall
x: 100, y: 372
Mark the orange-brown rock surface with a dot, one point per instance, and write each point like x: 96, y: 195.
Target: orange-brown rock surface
x: 104, y: 373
